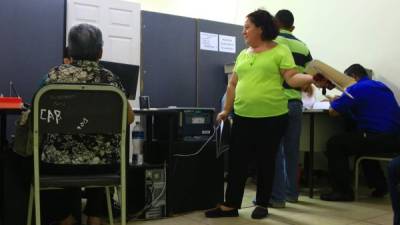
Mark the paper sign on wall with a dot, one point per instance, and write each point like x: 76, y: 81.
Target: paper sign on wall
x: 227, y: 43
x: 209, y: 41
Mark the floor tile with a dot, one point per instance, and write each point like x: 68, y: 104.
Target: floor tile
x: 386, y: 219
x: 366, y: 211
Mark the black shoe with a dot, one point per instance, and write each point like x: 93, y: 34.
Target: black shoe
x: 338, y: 196
x: 379, y: 193
x: 259, y: 213
x: 218, y: 212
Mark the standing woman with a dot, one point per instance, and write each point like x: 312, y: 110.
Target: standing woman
x: 256, y: 92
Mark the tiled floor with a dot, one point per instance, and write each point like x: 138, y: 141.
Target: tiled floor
x: 366, y: 211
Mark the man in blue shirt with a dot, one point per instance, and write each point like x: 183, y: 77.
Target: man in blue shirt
x: 377, y: 115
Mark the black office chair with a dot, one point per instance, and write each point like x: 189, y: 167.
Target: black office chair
x: 79, y: 109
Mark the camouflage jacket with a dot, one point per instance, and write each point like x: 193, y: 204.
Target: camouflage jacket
x: 81, y: 148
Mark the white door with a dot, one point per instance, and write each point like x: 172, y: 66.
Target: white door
x: 119, y: 22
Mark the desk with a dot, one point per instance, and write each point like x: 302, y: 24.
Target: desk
x: 3, y: 137
x: 3, y: 124
x: 317, y: 128
x: 311, y: 113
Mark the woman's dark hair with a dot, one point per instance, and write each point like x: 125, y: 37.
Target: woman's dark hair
x: 356, y: 70
x: 263, y: 19
x: 85, y: 42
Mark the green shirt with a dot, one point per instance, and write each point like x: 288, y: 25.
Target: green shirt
x: 259, y: 90
x: 301, y: 55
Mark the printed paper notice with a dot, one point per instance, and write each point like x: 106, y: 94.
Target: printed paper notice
x: 209, y: 41
x: 227, y: 43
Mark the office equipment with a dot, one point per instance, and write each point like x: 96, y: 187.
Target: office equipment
x: 194, y: 182
x: 146, y: 192
x: 188, y: 124
x: 128, y: 74
x: 92, y: 118
x: 144, y: 102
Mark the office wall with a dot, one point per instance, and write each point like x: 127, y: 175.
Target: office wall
x: 192, y: 75
x: 169, y: 59
x: 32, y: 34
x: 211, y: 79
x: 338, y: 32
x: 31, y: 42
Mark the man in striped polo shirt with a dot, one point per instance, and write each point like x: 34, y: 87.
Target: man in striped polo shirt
x: 285, y: 181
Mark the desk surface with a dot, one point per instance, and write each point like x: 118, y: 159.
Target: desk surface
x: 154, y: 110
x: 167, y: 110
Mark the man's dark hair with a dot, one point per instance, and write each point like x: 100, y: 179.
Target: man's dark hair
x: 85, y: 42
x: 356, y: 70
x: 263, y: 19
x: 285, y: 18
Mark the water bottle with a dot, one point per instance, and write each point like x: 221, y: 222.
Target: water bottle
x: 137, y: 144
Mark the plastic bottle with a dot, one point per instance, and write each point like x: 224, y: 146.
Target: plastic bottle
x: 137, y: 144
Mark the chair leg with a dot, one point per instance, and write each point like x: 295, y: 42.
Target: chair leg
x: 30, y: 207
x: 118, y: 191
x: 36, y: 199
x: 123, y: 204
x: 109, y: 207
x: 356, y: 178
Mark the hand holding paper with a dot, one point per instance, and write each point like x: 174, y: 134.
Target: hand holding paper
x: 323, y: 73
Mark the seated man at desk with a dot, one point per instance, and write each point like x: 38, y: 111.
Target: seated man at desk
x: 374, y: 108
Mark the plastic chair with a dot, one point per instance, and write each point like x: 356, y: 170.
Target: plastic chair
x: 102, y: 108
x: 378, y: 157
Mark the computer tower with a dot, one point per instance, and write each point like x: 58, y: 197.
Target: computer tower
x: 146, y: 192
x: 196, y: 182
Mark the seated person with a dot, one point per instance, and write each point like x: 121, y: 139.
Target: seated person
x: 394, y: 188
x: 377, y: 115
x: 85, y: 49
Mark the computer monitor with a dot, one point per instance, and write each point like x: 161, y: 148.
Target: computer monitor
x: 128, y: 74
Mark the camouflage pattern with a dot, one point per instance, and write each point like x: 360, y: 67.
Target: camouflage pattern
x: 81, y: 148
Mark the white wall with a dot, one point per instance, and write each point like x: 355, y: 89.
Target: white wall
x: 339, y: 32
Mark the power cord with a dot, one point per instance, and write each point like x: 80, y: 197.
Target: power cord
x: 204, y: 145
x: 220, y: 148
